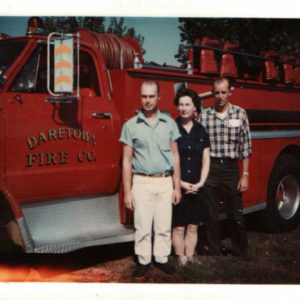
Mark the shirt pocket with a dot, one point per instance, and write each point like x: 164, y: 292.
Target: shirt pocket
x: 163, y: 142
x: 164, y: 146
x: 234, y: 130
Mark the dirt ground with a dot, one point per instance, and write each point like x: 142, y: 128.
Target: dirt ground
x: 275, y: 260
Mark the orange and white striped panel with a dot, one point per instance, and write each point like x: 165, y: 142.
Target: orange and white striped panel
x: 63, y: 65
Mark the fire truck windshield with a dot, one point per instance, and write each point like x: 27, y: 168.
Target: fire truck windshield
x: 9, y: 51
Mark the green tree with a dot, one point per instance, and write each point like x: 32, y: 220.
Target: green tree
x: 118, y: 28
x: 70, y: 24
x: 94, y: 24
x: 252, y: 35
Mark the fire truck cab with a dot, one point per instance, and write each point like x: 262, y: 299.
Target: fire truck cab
x: 60, y: 156
x: 60, y: 148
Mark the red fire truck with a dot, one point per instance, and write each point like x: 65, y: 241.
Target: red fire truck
x: 63, y: 100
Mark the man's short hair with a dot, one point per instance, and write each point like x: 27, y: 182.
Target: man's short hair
x: 182, y: 92
x: 221, y: 79
x: 151, y: 82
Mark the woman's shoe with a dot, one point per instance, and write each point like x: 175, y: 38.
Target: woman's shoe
x: 182, y: 261
x: 193, y: 260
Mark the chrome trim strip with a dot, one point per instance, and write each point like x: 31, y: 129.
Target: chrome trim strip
x: 270, y: 134
x: 247, y: 210
x: 29, y: 245
x: 253, y: 208
x: 67, y: 247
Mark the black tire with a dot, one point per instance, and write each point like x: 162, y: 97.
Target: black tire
x: 283, y: 195
x: 7, y: 246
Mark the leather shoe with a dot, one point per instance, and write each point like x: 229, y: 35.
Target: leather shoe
x: 166, y: 267
x: 140, y: 270
x: 227, y: 252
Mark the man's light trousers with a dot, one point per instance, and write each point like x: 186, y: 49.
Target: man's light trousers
x: 153, y: 206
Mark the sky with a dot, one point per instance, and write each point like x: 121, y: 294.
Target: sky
x: 161, y: 34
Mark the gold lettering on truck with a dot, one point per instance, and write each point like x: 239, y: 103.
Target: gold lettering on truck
x: 42, y: 138
x: 32, y: 142
x: 62, y: 157
x: 60, y: 134
x: 52, y: 134
x: 47, y: 159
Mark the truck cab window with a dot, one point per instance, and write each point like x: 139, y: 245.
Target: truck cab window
x: 88, y: 79
x: 9, y: 53
x: 33, y: 75
x: 26, y: 79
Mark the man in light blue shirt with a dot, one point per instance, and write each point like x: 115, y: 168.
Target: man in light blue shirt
x: 151, y: 178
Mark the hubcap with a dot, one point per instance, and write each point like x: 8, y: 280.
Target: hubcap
x: 288, y: 197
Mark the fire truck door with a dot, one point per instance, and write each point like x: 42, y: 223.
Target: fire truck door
x: 56, y: 150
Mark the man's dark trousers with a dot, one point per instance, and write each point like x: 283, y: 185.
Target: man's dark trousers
x: 222, y: 184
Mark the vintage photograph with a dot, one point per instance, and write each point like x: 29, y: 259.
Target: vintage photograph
x: 162, y: 150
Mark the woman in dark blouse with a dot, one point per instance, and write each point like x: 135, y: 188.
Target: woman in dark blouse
x: 193, y: 146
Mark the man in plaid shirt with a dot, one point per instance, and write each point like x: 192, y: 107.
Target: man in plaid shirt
x: 228, y: 129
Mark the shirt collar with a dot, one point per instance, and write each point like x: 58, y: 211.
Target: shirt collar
x: 181, y: 127
x: 160, y: 116
x: 229, y: 111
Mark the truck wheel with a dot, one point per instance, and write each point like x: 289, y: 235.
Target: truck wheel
x: 8, y: 247
x: 283, y: 196
x: 11, y: 241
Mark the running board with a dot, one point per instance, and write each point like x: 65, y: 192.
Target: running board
x: 66, y: 225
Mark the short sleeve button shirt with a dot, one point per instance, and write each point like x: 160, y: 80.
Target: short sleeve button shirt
x: 190, y: 147
x: 151, y: 143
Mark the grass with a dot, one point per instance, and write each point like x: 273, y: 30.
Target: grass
x: 275, y: 259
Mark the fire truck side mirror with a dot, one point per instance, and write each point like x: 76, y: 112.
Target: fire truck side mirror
x: 63, y: 46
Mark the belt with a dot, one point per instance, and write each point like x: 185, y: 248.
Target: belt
x: 223, y: 159
x: 167, y: 174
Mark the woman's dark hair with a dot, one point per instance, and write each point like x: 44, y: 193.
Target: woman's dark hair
x: 190, y: 93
